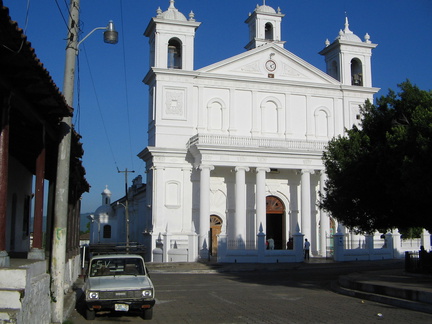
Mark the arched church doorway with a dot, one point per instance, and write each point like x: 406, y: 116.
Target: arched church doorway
x: 275, y: 210
x: 215, y: 230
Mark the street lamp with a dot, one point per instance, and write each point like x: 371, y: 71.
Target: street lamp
x: 61, y: 201
x: 110, y: 35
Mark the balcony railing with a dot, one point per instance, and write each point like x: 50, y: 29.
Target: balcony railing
x: 250, y: 142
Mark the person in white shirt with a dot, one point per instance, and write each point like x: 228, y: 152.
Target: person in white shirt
x: 271, y: 243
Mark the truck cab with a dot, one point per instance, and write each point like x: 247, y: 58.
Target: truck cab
x: 118, y: 282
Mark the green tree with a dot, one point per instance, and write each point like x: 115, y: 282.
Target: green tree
x: 380, y: 174
x: 87, y: 229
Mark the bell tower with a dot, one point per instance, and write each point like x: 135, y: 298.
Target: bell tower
x: 348, y: 58
x: 264, y: 26
x: 171, y: 37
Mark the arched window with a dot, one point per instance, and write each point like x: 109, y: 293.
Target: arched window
x: 270, y: 109
x: 321, y: 123
x: 107, y: 231
x: 268, y: 31
x: 215, y: 114
x: 356, y: 72
x: 174, y: 54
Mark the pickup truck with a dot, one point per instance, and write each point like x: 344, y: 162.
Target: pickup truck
x: 118, y: 282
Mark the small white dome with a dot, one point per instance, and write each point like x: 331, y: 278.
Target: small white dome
x: 347, y: 34
x: 103, y: 210
x: 172, y: 13
x: 265, y: 9
x: 106, y: 191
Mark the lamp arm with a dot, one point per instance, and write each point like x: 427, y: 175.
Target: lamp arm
x: 82, y: 40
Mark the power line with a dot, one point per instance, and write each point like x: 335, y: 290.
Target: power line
x: 125, y: 81
x: 100, y: 110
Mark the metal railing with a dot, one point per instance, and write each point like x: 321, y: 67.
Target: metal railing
x: 418, y: 262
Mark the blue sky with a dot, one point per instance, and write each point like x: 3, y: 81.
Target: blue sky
x: 111, y: 100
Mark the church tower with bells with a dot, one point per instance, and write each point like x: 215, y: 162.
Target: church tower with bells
x: 264, y: 26
x: 348, y: 58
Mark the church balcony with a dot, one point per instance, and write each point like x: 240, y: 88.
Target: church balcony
x: 256, y: 143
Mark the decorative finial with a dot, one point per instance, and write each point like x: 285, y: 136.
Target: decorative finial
x: 264, y: 3
x: 191, y: 16
x: 347, y: 30
x: 279, y: 11
x: 367, y: 38
x: 171, y: 4
x: 327, y: 42
x: 159, y: 12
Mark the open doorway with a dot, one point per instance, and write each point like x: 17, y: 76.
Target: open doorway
x: 275, y: 210
x: 215, y: 230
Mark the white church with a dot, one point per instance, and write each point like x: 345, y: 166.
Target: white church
x: 234, y: 148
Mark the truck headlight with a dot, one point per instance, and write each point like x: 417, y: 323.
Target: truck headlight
x: 93, y: 295
x: 147, y: 293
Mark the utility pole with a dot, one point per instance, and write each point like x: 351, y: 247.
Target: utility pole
x: 126, y: 206
x: 61, y: 200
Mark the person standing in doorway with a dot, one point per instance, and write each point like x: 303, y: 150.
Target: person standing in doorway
x: 306, y: 249
x: 271, y: 243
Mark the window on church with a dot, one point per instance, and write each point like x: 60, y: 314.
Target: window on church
x: 356, y: 73
x: 107, y: 231
x: 268, y: 31
x: 174, y: 54
x: 215, y: 116
x: 321, y: 124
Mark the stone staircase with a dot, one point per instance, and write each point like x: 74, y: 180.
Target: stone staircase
x: 24, y: 292
x: 392, y: 287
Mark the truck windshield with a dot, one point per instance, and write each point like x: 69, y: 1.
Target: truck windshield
x: 116, y: 267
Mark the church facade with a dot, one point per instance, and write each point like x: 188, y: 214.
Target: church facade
x: 235, y: 147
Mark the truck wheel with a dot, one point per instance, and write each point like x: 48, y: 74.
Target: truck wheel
x: 90, y: 314
x: 148, y: 314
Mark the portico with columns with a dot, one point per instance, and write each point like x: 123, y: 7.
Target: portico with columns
x: 234, y: 148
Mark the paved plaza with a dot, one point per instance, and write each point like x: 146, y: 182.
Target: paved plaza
x: 292, y: 295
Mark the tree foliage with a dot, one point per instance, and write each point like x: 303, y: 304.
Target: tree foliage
x: 380, y: 174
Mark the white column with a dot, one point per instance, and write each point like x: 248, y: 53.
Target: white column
x: 324, y: 220
x: 204, y: 222
x: 240, y: 205
x: 306, y: 204
x: 260, y: 197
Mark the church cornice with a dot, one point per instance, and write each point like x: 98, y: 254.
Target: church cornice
x: 152, y: 24
x: 250, y: 83
x: 337, y: 43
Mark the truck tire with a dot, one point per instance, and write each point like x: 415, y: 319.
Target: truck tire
x: 148, y: 314
x: 90, y: 314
